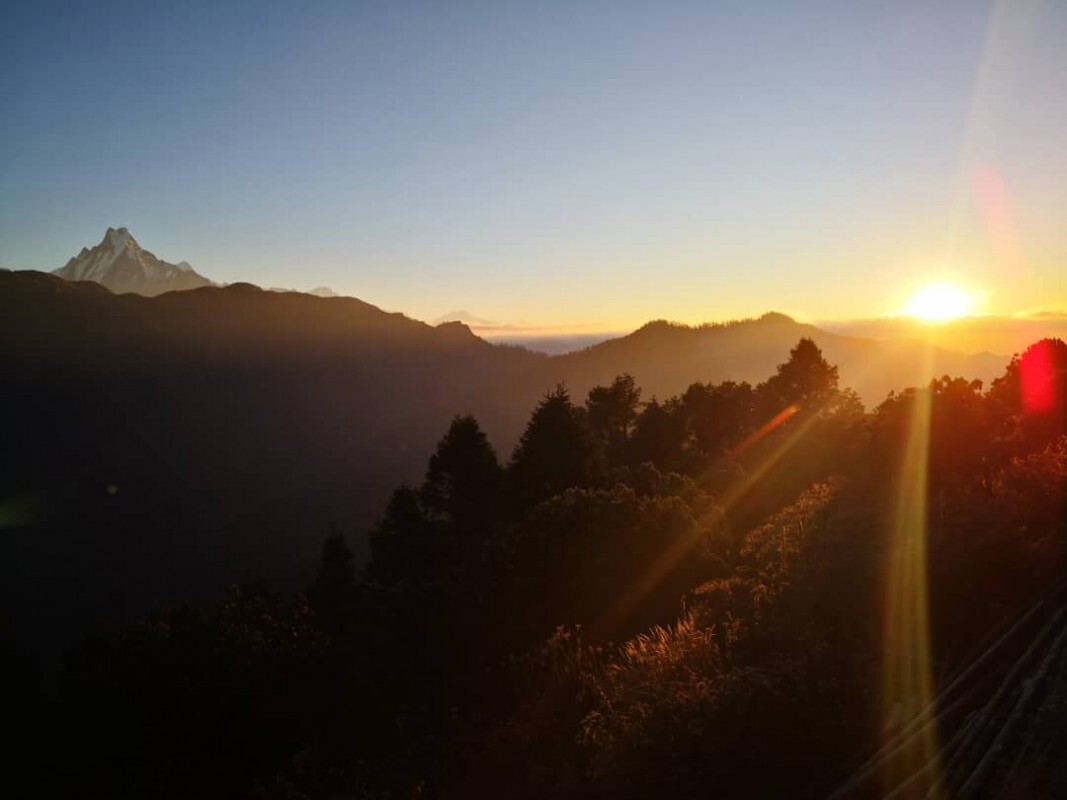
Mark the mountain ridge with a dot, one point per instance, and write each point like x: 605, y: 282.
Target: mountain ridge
x: 239, y: 424
x: 664, y: 357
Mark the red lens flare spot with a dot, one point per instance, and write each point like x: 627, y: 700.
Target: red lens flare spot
x: 1037, y: 377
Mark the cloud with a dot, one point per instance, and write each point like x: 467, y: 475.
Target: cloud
x: 519, y: 330
x: 1047, y: 315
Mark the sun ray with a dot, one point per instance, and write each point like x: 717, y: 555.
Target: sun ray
x: 633, y: 595
x: 907, y: 683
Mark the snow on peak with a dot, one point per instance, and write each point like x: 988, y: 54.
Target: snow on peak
x: 119, y: 239
x: 122, y: 265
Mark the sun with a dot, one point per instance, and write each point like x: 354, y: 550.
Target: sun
x: 939, y: 302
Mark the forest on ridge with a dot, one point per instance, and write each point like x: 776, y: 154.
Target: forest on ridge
x: 675, y: 596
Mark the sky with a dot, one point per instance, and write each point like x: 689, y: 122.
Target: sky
x: 563, y: 165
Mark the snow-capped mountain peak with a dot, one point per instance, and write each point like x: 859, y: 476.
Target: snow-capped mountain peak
x: 122, y: 265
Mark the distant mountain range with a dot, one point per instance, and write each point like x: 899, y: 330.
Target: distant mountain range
x: 165, y: 442
x: 122, y: 265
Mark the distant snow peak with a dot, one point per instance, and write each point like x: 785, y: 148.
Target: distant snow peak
x: 122, y: 265
x: 465, y: 317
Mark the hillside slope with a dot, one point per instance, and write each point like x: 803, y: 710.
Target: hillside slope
x: 163, y: 445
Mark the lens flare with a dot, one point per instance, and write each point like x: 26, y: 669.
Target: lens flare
x: 1037, y: 378
x: 632, y: 596
x: 907, y: 682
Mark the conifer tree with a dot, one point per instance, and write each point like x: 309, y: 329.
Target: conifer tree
x: 612, y: 411
x: 554, y: 452
x: 806, y: 380
x: 463, y: 479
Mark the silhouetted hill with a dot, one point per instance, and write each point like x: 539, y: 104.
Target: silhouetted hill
x: 161, y: 442
x: 665, y: 357
x: 158, y: 445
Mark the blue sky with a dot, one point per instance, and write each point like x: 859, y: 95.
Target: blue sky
x: 585, y: 164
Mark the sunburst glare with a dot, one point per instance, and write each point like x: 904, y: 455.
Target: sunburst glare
x: 939, y: 302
